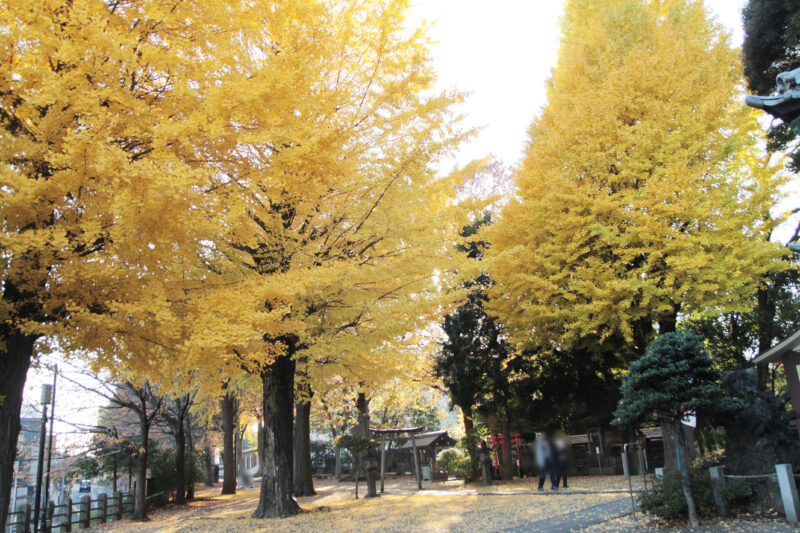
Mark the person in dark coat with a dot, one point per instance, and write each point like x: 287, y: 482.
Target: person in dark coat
x: 561, y: 459
x: 544, y: 460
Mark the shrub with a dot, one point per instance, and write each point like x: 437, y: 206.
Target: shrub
x: 737, y: 492
x: 667, y: 501
x: 454, y: 460
x: 161, y: 463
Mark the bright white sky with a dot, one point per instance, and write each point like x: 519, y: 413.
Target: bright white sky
x: 502, y: 53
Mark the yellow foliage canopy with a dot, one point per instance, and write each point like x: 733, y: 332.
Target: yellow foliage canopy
x: 639, y: 194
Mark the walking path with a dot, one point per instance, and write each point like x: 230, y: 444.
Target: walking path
x: 439, y: 508
x: 577, y: 520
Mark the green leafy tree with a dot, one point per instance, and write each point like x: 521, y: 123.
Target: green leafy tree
x: 732, y: 338
x: 569, y: 389
x: 676, y: 376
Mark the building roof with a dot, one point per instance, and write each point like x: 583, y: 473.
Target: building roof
x: 774, y: 354
x: 434, y: 438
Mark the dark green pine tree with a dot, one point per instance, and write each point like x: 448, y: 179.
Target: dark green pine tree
x: 674, y: 377
x: 471, y: 360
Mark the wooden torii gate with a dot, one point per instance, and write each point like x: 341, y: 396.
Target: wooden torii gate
x: 393, y: 434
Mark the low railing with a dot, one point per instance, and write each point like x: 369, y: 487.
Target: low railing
x: 73, y: 516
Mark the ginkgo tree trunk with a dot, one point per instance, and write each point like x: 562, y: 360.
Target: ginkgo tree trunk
x: 334, y: 222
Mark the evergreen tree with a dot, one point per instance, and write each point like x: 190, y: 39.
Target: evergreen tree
x: 471, y: 361
x: 674, y: 377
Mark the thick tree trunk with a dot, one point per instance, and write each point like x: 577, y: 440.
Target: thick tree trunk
x: 180, y: 463
x: 242, y: 476
x: 260, y: 446
x: 140, y: 499
x: 507, y: 466
x: 668, y: 322
x: 765, y: 315
x: 13, y: 370
x: 303, y: 475
x: 114, y: 486
x: 207, y: 461
x: 276, y: 497
x: 190, y: 480
x: 472, y: 445
x: 337, y: 464
x: 228, y: 457
x: 367, y: 459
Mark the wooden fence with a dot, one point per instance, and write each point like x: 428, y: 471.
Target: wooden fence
x: 73, y: 516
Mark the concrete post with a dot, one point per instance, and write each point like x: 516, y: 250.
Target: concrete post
x: 47, y: 526
x: 84, y: 512
x: 118, y: 508
x: 717, y: 474
x: 26, y: 523
x: 791, y: 505
x: 103, y: 508
x: 68, y: 517
x: 625, y: 468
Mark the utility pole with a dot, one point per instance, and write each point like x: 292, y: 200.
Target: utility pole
x: 50, y: 442
x: 47, y: 392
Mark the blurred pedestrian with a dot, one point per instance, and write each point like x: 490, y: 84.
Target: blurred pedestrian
x: 544, y: 460
x: 561, y: 458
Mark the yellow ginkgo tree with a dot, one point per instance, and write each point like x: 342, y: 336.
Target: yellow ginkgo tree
x: 637, y: 196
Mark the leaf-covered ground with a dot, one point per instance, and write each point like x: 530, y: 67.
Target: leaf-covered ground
x: 441, y: 507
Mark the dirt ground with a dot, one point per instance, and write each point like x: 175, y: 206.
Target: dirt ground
x: 594, y: 503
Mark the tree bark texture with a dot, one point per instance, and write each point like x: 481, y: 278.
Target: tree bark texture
x: 472, y: 445
x: 140, y: 499
x: 14, y: 368
x: 242, y: 476
x: 180, y: 463
x: 366, y: 459
x: 208, y: 463
x: 507, y: 466
x: 686, y: 483
x: 303, y: 475
x: 337, y: 465
x: 190, y: 480
x: 672, y: 433
x: 276, y: 498
x: 765, y: 313
x: 228, y: 457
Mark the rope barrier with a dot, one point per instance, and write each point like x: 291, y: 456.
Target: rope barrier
x: 752, y: 476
